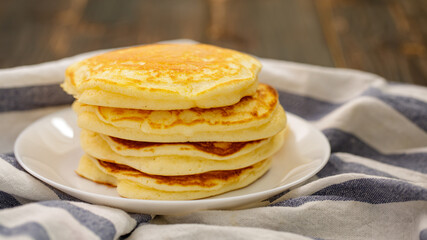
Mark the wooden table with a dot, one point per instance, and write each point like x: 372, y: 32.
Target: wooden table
x: 386, y: 37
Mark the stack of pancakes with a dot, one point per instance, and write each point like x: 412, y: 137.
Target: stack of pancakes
x: 173, y: 121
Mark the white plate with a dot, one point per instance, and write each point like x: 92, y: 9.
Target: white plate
x: 49, y: 149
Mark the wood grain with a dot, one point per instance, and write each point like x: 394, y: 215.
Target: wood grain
x: 386, y: 37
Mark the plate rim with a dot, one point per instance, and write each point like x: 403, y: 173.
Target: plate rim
x: 255, y: 195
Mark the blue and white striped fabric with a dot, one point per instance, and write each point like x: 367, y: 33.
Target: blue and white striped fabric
x: 373, y: 187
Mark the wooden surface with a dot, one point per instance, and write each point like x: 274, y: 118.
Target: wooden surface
x: 386, y: 37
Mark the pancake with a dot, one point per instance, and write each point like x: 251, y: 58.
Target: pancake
x: 209, y: 150
x: 164, y: 77
x: 254, y: 117
x: 135, y: 184
x: 177, y: 161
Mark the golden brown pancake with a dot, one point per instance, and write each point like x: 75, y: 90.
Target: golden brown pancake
x: 221, y: 149
x: 172, y: 160
x: 208, y: 150
x: 135, y: 184
x: 164, y: 77
x: 254, y: 117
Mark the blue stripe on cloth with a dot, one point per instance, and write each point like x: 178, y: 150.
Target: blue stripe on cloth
x: 345, y: 142
x: 413, y: 109
x: 277, y: 196
x: 10, y: 158
x: 296, y: 202
x: 7, y: 200
x: 375, y: 191
x: 314, y: 109
x: 32, y: 229
x: 101, y: 226
x: 306, y: 107
x: 337, y: 166
x: 140, y: 218
x: 423, y: 234
x: 369, y: 190
x: 30, y: 97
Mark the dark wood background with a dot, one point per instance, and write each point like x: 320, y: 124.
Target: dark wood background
x: 386, y: 37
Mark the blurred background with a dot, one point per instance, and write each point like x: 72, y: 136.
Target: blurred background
x: 385, y: 37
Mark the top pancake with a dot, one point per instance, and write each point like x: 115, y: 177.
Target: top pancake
x: 132, y: 183
x: 164, y: 77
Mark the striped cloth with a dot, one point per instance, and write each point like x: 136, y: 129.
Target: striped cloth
x: 373, y: 187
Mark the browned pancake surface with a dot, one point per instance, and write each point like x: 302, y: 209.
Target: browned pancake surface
x: 206, y: 179
x: 217, y: 148
x: 258, y: 106
x: 181, y: 63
